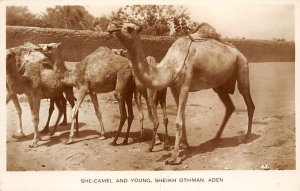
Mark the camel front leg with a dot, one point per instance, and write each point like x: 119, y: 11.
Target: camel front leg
x: 180, y: 120
x: 35, y: 102
x: 20, y: 134
x: 138, y: 100
x: 123, y: 117
x: 152, y: 96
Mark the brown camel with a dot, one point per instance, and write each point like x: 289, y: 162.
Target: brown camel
x: 28, y: 72
x: 152, y: 98
x: 190, y: 65
x: 100, y: 72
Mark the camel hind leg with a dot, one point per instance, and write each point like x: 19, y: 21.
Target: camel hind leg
x: 98, y: 114
x: 244, y: 89
x: 59, y: 103
x: 51, y: 109
x: 162, y: 101
x: 69, y: 93
x: 226, y: 100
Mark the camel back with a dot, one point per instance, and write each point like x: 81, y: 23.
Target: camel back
x: 205, y: 32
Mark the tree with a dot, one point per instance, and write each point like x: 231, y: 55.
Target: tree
x: 71, y: 17
x: 20, y: 16
x: 157, y: 19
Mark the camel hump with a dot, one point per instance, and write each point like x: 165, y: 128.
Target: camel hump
x: 204, y: 30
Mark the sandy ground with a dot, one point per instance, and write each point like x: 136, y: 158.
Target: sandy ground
x: 272, y: 143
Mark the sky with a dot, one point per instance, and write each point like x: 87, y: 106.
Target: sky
x: 252, y: 21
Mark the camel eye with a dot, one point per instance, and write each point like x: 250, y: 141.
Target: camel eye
x: 130, y: 29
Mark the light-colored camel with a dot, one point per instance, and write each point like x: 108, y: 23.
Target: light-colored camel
x: 27, y: 71
x: 190, y: 66
x: 100, y: 72
x: 152, y: 98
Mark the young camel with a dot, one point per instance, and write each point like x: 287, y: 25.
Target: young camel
x: 189, y: 66
x: 152, y: 98
x: 100, y: 72
x: 27, y: 71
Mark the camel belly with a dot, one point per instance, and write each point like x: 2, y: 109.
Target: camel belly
x: 51, y: 85
x: 212, y: 66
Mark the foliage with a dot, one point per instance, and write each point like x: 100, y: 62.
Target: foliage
x: 20, y: 16
x: 157, y: 19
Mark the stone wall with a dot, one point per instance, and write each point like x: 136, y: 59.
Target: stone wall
x: 77, y: 44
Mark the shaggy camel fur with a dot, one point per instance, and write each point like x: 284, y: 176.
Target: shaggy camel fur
x: 152, y: 98
x: 28, y: 72
x: 100, y: 72
x: 190, y: 65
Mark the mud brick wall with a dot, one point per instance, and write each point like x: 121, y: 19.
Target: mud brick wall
x: 77, y: 44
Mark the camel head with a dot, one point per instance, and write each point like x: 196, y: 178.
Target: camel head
x: 11, y: 67
x: 121, y: 52
x: 52, y: 50
x: 126, y: 32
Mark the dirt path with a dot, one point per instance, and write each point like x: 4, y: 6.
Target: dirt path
x: 272, y: 142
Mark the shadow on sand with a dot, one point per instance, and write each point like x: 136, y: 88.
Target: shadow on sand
x: 211, y: 145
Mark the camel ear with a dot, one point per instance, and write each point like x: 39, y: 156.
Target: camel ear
x: 58, y: 45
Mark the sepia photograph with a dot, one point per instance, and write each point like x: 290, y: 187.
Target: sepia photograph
x: 152, y: 94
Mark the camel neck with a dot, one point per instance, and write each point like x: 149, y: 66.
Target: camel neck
x: 153, y: 77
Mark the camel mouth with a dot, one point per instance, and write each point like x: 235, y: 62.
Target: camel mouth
x: 113, y: 28
x: 113, y: 31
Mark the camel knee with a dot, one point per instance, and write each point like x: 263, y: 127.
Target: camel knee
x: 179, y: 124
x: 35, y: 119
x: 130, y: 117
x: 166, y: 121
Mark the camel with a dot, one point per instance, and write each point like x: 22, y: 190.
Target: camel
x: 100, y: 72
x: 27, y: 70
x: 189, y: 65
x: 152, y: 98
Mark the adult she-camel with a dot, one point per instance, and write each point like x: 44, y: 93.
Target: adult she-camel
x: 190, y: 66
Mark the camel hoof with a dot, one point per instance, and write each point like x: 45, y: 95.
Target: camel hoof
x: 33, y: 145
x: 18, y: 135
x: 184, y: 145
x: 45, y: 130
x: 102, y: 137
x: 167, y: 147
x: 157, y: 142
x: 76, y: 133
x: 68, y: 142
x: 125, y: 142
x: 149, y: 150
x: 64, y: 123
x: 113, y: 143
x: 173, y: 161
x: 247, y: 138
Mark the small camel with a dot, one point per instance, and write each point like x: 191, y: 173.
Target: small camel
x: 27, y: 71
x: 152, y: 98
x: 100, y: 72
x: 189, y: 65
